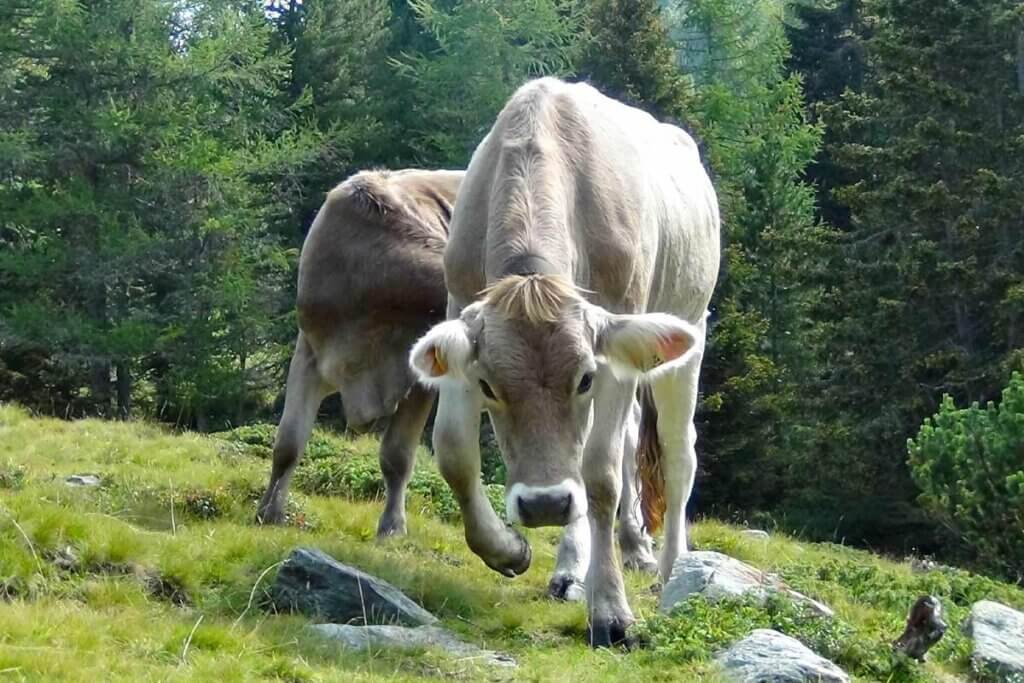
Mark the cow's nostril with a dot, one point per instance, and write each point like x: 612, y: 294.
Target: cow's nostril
x: 567, y: 504
x: 545, y: 509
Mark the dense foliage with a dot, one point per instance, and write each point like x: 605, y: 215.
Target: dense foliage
x: 161, y: 160
x: 969, y: 463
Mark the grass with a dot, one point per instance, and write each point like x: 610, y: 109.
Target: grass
x: 159, y: 573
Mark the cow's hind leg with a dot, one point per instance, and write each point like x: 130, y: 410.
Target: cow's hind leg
x: 457, y: 447
x: 607, y: 609
x: 635, y: 544
x: 570, y: 573
x: 304, y: 391
x: 398, y: 453
x: 675, y: 396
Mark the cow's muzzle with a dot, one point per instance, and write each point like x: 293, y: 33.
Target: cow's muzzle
x: 534, y: 506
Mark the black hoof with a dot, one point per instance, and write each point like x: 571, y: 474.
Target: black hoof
x: 386, y: 529
x: 566, y: 589
x: 269, y: 515
x: 608, y: 633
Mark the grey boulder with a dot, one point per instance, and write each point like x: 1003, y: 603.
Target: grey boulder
x: 406, y: 638
x: 715, y: 576
x: 767, y: 656
x: 315, y: 584
x: 997, y: 635
x: 82, y: 480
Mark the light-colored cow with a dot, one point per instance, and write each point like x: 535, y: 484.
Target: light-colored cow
x: 583, y: 251
x: 371, y: 281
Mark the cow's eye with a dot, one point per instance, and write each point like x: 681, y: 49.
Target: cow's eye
x: 585, y: 383
x: 486, y: 388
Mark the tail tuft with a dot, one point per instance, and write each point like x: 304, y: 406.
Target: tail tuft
x: 650, y: 478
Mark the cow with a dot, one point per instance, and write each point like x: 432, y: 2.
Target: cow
x: 581, y: 259
x: 371, y: 281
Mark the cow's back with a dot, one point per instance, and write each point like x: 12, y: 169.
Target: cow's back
x: 617, y: 199
x: 371, y: 281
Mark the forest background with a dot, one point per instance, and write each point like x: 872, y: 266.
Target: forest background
x: 162, y: 160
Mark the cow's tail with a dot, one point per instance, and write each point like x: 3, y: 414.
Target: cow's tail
x: 650, y: 477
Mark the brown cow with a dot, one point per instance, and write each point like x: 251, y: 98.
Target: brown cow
x: 371, y: 280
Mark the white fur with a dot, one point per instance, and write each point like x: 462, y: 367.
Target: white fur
x: 624, y: 338
x: 451, y: 343
x: 520, y: 491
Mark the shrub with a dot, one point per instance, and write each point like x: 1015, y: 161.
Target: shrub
x: 969, y: 464
x: 258, y: 440
x: 358, y: 477
x: 12, y: 476
x: 697, y: 629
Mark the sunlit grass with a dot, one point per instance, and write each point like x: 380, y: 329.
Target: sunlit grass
x: 173, y: 517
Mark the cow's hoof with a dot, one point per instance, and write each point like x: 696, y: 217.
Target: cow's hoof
x: 566, y: 588
x: 269, y: 514
x: 516, y: 562
x: 640, y: 561
x: 608, y: 633
x: 388, y: 526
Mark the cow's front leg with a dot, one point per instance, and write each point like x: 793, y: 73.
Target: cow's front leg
x: 568, y: 580
x: 636, y: 545
x: 398, y: 454
x: 608, y: 611
x: 457, y: 447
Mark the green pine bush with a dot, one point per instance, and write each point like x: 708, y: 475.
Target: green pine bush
x: 969, y: 464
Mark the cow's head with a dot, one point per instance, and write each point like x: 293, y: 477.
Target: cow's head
x: 536, y: 351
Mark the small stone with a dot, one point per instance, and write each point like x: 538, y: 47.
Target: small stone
x: 715, y: 576
x: 390, y: 637
x: 767, y: 656
x: 754, y: 534
x: 925, y: 627
x: 82, y: 480
x: 315, y: 584
x: 997, y: 632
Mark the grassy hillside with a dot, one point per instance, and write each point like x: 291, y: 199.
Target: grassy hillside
x: 159, y: 573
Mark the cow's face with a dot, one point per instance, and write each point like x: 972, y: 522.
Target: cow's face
x: 536, y: 353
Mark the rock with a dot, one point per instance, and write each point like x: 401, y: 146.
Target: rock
x: 925, y: 627
x: 404, y: 638
x: 319, y: 586
x: 716, y: 576
x: 82, y: 480
x: 997, y: 632
x: 767, y: 656
x: 754, y: 534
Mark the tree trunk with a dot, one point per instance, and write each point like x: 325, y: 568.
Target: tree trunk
x: 99, y: 386
x: 124, y: 391
x: 240, y: 407
x: 1020, y: 61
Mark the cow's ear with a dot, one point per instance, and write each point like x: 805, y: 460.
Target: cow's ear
x: 635, y: 345
x: 442, y: 353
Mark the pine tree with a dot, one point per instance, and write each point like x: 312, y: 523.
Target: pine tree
x: 927, y: 289
x: 136, y: 239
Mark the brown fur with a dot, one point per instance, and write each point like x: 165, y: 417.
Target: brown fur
x: 371, y: 279
x: 650, y: 480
